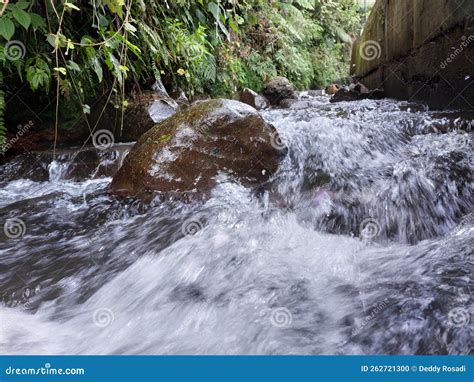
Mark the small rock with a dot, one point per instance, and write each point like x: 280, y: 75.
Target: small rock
x: 287, y: 103
x: 278, y: 89
x: 24, y: 166
x: 332, y: 89
x: 346, y: 94
x: 359, y: 87
x: 357, y: 92
x: 253, y: 99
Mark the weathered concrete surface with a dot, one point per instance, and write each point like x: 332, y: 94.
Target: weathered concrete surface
x: 419, y: 50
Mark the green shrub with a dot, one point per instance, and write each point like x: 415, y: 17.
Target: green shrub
x: 77, y: 50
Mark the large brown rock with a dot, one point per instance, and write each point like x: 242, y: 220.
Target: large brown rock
x: 278, y: 89
x: 182, y: 155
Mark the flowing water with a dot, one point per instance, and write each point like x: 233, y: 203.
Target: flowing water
x: 361, y: 245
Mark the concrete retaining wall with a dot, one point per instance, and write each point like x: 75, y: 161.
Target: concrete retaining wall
x: 421, y: 50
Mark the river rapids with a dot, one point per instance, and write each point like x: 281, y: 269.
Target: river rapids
x: 362, y: 244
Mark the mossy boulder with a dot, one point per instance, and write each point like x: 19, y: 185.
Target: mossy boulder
x: 183, y: 154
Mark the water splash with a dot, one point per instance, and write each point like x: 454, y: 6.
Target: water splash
x: 362, y: 245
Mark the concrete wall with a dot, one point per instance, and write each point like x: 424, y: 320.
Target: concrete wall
x: 420, y: 50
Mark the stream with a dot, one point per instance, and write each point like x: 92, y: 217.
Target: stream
x: 361, y: 245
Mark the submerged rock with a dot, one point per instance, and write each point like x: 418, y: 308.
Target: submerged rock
x: 287, y: 103
x: 278, y: 89
x: 356, y: 92
x: 24, y: 166
x: 360, y: 88
x: 64, y: 164
x: 182, y: 155
x: 253, y: 99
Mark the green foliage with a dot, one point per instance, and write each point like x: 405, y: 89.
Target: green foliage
x: 76, y: 49
x: 304, y: 40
